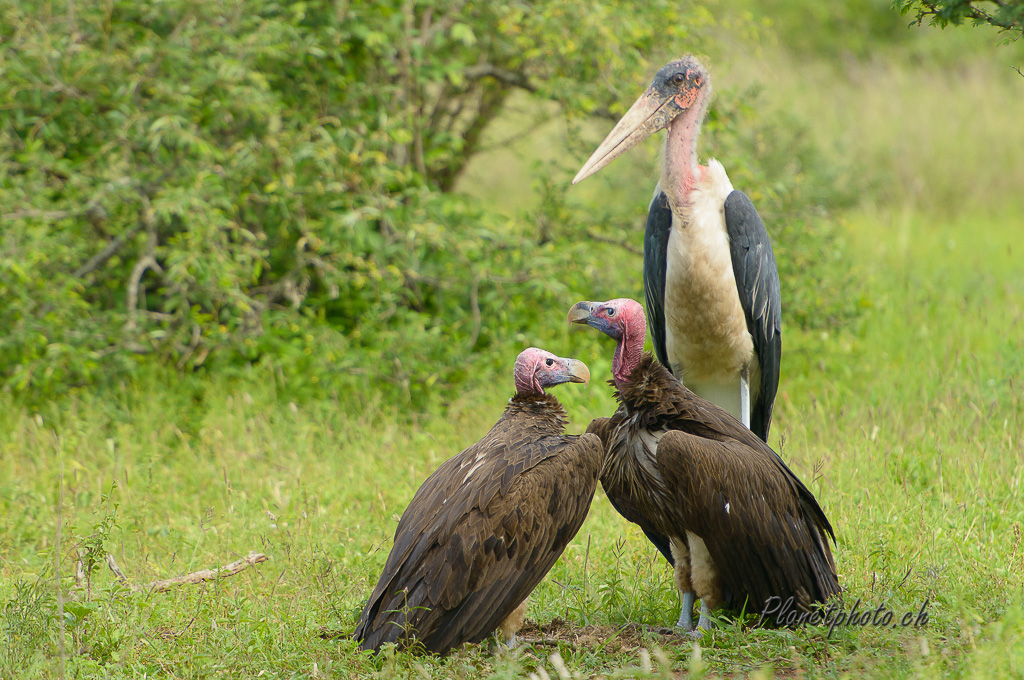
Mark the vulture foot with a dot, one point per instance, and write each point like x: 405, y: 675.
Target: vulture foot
x: 686, y: 613
x: 704, y: 623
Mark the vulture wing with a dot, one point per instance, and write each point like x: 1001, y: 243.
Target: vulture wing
x: 763, y: 528
x: 625, y: 503
x: 478, y: 537
x: 757, y: 281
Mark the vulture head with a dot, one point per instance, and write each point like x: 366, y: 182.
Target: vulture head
x: 536, y: 369
x: 681, y: 86
x: 621, y: 319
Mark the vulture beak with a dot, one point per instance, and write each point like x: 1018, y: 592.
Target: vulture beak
x: 648, y: 114
x: 580, y: 312
x: 583, y: 313
x: 576, y: 371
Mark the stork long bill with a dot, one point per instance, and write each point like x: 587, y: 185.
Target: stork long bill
x: 646, y: 116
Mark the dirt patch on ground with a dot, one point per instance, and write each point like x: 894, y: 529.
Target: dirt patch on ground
x: 612, y: 639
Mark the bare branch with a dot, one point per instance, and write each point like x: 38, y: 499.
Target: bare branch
x: 97, y: 260
x: 117, y: 571
x: 505, y: 76
x: 163, y: 585
x: 147, y: 261
x: 604, y: 239
x: 474, y: 305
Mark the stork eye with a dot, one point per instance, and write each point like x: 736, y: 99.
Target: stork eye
x: 549, y: 362
x: 610, y: 311
x: 678, y: 78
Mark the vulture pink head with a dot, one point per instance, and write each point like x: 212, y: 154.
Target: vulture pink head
x: 621, y: 319
x: 537, y: 369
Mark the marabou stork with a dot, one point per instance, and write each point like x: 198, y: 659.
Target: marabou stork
x: 486, y: 526
x: 710, y: 280
x: 736, y: 524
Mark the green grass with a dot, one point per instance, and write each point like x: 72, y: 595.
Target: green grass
x: 908, y: 427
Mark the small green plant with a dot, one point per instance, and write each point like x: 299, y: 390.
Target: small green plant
x: 92, y: 552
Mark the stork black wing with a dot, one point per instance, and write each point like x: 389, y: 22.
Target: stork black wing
x: 757, y: 281
x: 659, y: 225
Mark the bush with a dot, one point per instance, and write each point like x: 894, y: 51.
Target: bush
x: 210, y: 185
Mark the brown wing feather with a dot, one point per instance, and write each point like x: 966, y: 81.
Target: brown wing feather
x: 761, y: 525
x: 772, y: 541
x: 469, y: 550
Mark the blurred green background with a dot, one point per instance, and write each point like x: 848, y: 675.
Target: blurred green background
x: 365, y: 196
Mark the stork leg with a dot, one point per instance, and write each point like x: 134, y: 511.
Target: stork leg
x: 686, y: 613
x: 745, y: 395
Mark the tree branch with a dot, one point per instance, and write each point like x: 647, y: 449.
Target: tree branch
x: 147, y: 261
x: 604, y: 239
x: 474, y: 305
x: 97, y: 260
x: 163, y: 585
x: 505, y: 76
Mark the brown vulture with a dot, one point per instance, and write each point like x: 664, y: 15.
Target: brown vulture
x: 486, y: 526
x: 737, y: 525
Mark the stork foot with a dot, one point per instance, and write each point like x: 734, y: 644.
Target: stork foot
x: 510, y: 642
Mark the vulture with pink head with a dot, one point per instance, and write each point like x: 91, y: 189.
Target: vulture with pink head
x: 488, y: 525
x: 737, y: 525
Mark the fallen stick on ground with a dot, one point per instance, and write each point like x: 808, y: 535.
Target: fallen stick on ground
x: 166, y: 584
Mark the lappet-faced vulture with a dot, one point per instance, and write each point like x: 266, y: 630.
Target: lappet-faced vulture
x: 486, y: 526
x: 710, y: 280
x: 737, y: 525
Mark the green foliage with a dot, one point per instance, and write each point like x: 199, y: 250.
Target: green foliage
x: 1006, y: 15
x: 266, y: 181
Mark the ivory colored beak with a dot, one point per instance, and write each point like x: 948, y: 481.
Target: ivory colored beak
x: 580, y: 312
x: 577, y: 371
x: 646, y: 116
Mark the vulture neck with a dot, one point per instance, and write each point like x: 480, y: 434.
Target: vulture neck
x: 539, y: 407
x: 627, y: 357
x: 651, y: 386
x: 681, y: 170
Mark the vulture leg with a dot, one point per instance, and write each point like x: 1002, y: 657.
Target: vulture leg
x: 745, y: 395
x: 512, y: 623
x: 686, y: 613
x: 704, y: 622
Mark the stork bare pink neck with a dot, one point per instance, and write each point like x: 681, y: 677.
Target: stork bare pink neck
x: 682, y: 172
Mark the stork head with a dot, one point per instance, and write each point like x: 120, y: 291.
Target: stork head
x: 681, y: 85
x: 536, y: 369
x: 621, y: 319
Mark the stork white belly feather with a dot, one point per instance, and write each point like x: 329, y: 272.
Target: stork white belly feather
x: 710, y: 341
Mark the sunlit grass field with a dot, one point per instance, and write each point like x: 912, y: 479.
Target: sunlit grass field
x: 908, y: 424
x: 909, y: 428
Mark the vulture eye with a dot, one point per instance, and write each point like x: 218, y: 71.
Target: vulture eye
x: 678, y: 78
x: 610, y: 311
x: 549, y: 362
